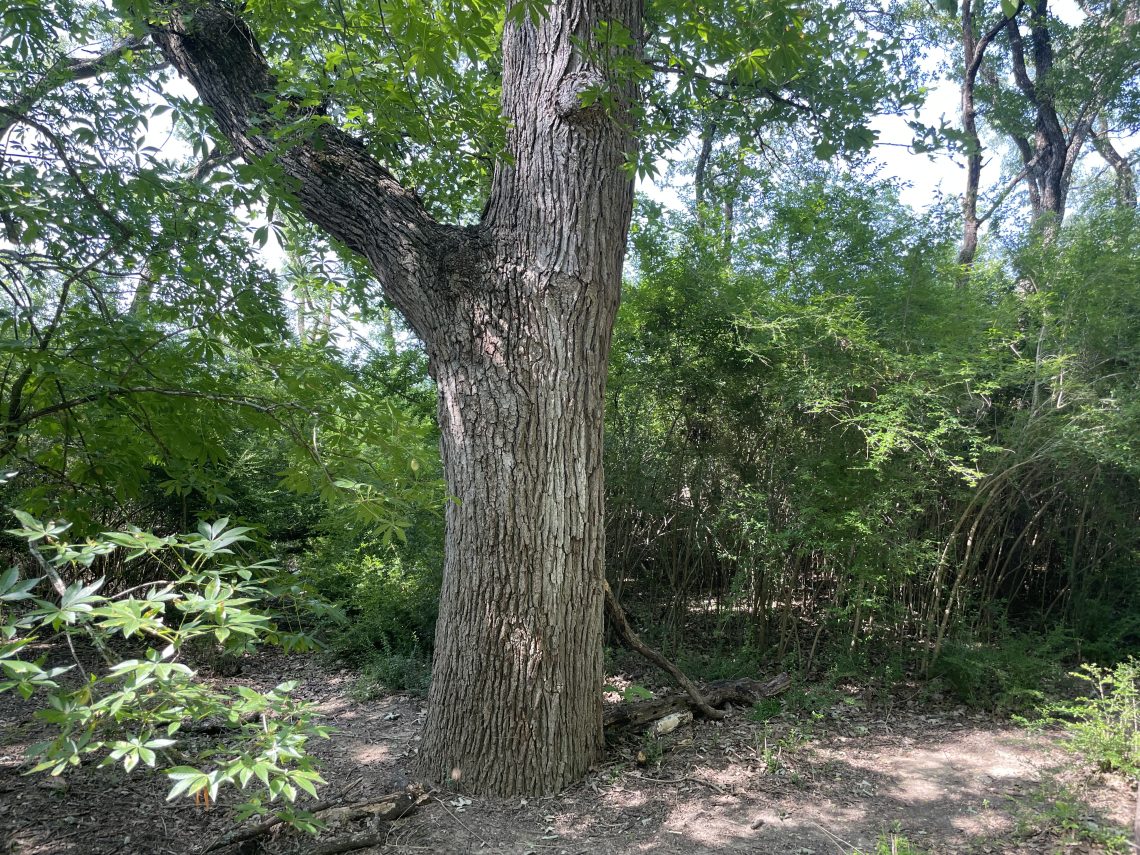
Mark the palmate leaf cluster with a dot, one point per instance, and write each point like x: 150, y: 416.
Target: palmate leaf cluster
x: 141, y: 704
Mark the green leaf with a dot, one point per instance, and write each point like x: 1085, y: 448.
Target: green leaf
x: 187, y: 780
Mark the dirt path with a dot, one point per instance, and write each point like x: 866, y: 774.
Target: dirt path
x: 835, y: 781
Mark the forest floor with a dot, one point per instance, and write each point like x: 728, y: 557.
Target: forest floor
x: 836, y: 780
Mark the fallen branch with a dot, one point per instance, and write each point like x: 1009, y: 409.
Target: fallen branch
x: 350, y: 844
x: 409, y: 802
x: 385, y: 809
x: 716, y: 694
x: 621, y: 624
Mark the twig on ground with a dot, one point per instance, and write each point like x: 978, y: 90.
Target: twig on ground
x: 694, y: 780
x: 461, y: 822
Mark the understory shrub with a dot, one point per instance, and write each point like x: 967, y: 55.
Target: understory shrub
x: 1014, y: 675
x: 390, y: 595
x: 141, y: 704
x: 1104, y: 724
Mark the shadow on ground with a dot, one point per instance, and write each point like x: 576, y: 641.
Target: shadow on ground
x: 837, y: 783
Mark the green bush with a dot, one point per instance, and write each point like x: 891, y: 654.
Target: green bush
x: 1014, y: 676
x: 134, y: 708
x: 387, y: 672
x: 1104, y: 725
x: 391, y: 598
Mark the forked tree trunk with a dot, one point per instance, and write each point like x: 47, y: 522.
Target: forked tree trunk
x: 515, y: 703
x: 516, y: 314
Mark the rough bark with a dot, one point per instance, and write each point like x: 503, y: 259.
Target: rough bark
x: 515, y: 704
x: 970, y: 225
x: 516, y: 314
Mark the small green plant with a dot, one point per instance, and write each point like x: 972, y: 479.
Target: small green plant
x: 769, y: 754
x: 391, y: 597
x: 813, y: 701
x: 1104, y: 725
x: 384, y: 673
x: 892, y: 844
x: 765, y: 709
x: 136, y: 707
x: 651, y: 751
x: 632, y: 692
x: 1055, y: 809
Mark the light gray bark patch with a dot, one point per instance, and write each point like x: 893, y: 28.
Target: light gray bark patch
x: 568, y: 96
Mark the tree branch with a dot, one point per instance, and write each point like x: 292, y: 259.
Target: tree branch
x: 983, y: 43
x: 47, y: 133
x: 1125, y: 180
x: 1020, y: 73
x: 72, y: 403
x: 1001, y: 197
x: 335, y: 182
x: 767, y: 92
x: 66, y: 70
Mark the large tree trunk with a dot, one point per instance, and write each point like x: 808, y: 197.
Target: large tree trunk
x: 515, y: 703
x: 516, y: 314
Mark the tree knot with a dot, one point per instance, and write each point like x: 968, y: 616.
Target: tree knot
x: 578, y: 96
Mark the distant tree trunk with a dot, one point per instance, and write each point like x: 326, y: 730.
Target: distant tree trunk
x: 1125, y: 178
x: 974, y: 52
x: 700, y: 174
x: 1055, y: 147
x: 516, y: 314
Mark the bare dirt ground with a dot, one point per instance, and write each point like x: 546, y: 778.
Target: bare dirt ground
x: 835, y: 780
